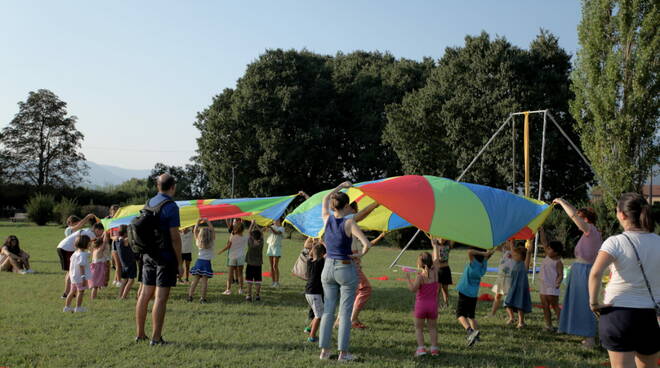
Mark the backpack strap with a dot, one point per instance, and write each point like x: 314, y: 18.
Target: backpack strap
x: 639, y: 262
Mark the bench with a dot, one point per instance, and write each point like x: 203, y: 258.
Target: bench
x: 19, y: 216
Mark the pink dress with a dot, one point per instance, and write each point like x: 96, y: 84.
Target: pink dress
x: 548, y: 277
x: 426, y: 301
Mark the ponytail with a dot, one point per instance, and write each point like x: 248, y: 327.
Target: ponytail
x: 637, y: 210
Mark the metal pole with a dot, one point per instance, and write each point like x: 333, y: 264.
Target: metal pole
x: 513, y: 158
x: 540, y: 194
x: 404, y: 248
x: 484, y: 148
x: 232, y: 181
x: 529, y: 112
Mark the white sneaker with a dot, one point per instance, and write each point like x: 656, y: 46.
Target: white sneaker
x: 240, y: 291
x: 324, y: 356
x: 117, y: 283
x: 67, y: 309
x: 23, y: 272
x: 227, y: 292
x: 348, y: 357
x: 79, y: 310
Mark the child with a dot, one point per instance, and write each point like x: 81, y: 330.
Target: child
x: 274, y: 251
x: 468, y: 289
x: 202, y: 270
x: 503, y: 281
x: 552, y: 274
x: 186, y: 252
x: 426, y: 300
x: 444, y: 272
x: 127, y: 262
x: 99, y: 267
x: 79, y: 274
x: 236, y: 257
x: 314, y: 288
x: 254, y: 260
x: 518, y: 299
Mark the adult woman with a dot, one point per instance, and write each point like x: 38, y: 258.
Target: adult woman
x: 339, y: 277
x: 628, y: 325
x: 13, y: 258
x: 576, y: 316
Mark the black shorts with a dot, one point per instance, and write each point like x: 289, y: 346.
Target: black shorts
x: 253, y: 273
x: 128, y: 272
x: 140, y: 264
x: 65, y: 258
x: 466, y: 306
x: 161, y: 271
x: 186, y: 256
x: 444, y: 276
x: 629, y: 329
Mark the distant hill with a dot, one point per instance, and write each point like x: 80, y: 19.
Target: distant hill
x: 102, y: 175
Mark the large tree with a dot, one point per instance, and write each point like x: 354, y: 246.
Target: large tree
x: 191, y: 181
x: 41, y: 145
x: 439, y: 128
x: 617, y: 96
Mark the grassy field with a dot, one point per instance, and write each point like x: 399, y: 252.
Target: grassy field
x: 230, y: 332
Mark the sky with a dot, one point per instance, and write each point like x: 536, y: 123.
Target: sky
x: 136, y: 73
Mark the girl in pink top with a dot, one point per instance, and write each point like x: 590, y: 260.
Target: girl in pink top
x: 426, y: 300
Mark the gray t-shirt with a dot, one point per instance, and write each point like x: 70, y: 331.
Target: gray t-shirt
x: 254, y: 256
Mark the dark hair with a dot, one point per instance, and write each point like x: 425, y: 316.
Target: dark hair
x: 165, y: 182
x: 8, y: 244
x: 589, y: 214
x: 637, y: 210
x: 354, y: 206
x: 339, y: 200
x: 72, y: 219
x: 425, y: 262
x: 520, y: 250
x: 478, y: 257
x: 123, y: 230
x: 82, y: 242
x: 237, y: 229
x: 318, y: 251
x: 556, y: 246
x: 98, y: 226
x: 97, y: 243
x: 256, y: 234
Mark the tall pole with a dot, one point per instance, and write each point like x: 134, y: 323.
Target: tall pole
x: 528, y: 243
x: 232, y: 181
x: 513, y: 154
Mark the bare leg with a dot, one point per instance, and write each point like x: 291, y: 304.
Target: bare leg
x: 432, y: 325
x: 419, y: 332
x: 117, y: 262
x: 496, y: 304
x: 241, y: 277
x: 141, y: 308
x: 554, y: 304
x: 127, y: 288
x: 249, y: 288
x: 193, y: 286
x: 69, y: 298
x: 230, y: 277
x: 121, y: 288
x: 315, y: 327
x: 205, y: 284
x: 276, y: 268
x: 67, y: 283
x: 158, y: 312
x: 622, y: 360
x: 258, y: 287
x: 445, y: 294
x: 473, y: 323
x: 94, y: 291
x: 646, y: 361
x: 464, y: 322
x: 187, y: 269
x: 509, y: 313
x: 546, y: 311
x: 79, y: 298
x: 521, y: 318
x: 272, y: 267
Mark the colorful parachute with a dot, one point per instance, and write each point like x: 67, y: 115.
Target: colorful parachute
x: 466, y: 213
x: 263, y: 210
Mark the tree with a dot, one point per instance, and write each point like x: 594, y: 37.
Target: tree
x: 41, y: 144
x: 438, y: 129
x: 191, y: 181
x: 615, y: 81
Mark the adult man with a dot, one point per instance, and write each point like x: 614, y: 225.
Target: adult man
x: 161, y: 269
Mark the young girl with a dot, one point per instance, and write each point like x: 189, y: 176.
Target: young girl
x: 79, y: 274
x: 274, y: 251
x: 426, y: 300
x: 202, y: 270
x: 518, y: 299
x: 552, y: 274
x: 236, y: 257
x: 468, y: 290
x: 99, y: 267
x: 314, y: 287
x: 444, y: 272
x: 187, y: 239
x: 127, y: 263
x: 503, y: 281
x: 254, y: 260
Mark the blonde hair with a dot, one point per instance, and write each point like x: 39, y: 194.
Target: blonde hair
x: 425, y: 263
x: 205, y: 238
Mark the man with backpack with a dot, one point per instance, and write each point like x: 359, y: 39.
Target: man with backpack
x: 155, y: 234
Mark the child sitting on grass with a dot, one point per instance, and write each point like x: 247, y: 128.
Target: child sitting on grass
x: 518, y: 300
x: 202, y: 270
x: 426, y: 300
x: 468, y: 290
x: 79, y: 274
x: 314, y: 288
x: 99, y: 267
x: 127, y: 263
x: 551, y: 276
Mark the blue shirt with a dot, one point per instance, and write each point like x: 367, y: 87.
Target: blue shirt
x: 337, y: 243
x: 169, y: 215
x: 471, y: 278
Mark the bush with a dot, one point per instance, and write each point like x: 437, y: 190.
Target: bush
x: 66, y: 208
x: 40, y: 208
x: 99, y: 211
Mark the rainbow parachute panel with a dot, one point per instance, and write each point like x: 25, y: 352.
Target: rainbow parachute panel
x: 263, y: 210
x: 466, y: 213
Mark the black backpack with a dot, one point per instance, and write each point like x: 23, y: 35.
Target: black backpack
x: 144, y: 233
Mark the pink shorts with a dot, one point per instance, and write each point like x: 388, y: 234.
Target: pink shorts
x: 426, y: 310
x: 99, y: 273
x: 79, y: 286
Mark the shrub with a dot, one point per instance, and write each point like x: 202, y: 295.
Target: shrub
x: 66, y: 208
x: 99, y: 211
x: 40, y: 208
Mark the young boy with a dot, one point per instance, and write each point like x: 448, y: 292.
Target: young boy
x: 468, y: 290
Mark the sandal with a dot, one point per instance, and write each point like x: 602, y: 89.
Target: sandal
x: 358, y: 325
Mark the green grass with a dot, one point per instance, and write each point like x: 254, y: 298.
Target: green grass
x: 229, y: 332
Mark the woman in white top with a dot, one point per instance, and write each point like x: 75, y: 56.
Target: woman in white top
x: 628, y: 325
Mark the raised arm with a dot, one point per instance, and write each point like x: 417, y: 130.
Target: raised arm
x: 305, y: 195
x: 276, y: 232
x: 197, y: 229
x: 377, y: 239
x: 572, y: 213
x: 365, y: 212
x: 543, y: 237
x: 325, y: 208
x: 309, y: 243
x: 210, y: 228
x: 528, y: 259
x: 252, y: 225
x: 80, y: 224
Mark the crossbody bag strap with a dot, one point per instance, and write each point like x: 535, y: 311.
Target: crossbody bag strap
x: 639, y: 262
